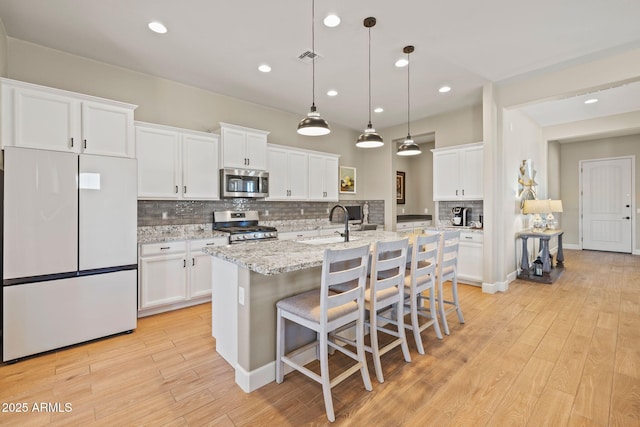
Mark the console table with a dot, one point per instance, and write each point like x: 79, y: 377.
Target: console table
x: 549, y: 272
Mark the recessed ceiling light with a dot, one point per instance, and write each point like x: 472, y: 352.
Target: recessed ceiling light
x: 157, y: 27
x: 401, y: 63
x: 332, y: 21
x: 591, y: 101
x: 332, y: 92
x: 444, y: 89
x: 264, y: 68
x: 378, y: 110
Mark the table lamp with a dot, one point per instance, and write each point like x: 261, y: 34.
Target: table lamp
x: 554, y: 206
x: 537, y: 207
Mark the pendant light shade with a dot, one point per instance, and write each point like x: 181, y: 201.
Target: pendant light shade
x: 408, y: 147
x: 313, y: 124
x: 369, y: 138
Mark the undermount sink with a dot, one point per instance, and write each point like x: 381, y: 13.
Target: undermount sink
x: 326, y: 240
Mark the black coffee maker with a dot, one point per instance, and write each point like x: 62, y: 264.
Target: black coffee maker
x: 461, y: 216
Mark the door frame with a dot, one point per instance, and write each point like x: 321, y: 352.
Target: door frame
x: 634, y: 251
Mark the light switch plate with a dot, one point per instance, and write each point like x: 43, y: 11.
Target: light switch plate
x: 241, y: 295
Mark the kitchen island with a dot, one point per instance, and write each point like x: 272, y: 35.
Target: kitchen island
x: 247, y: 281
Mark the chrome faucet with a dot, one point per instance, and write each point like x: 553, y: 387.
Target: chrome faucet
x: 346, y: 221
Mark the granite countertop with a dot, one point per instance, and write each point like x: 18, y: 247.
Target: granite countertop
x: 454, y: 228
x: 172, y: 233
x: 282, y: 256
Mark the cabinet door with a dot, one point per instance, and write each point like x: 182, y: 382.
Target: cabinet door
x: 256, y: 151
x: 445, y: 175
x: 471, y: 173
x: 158, y: 163
x: 234, y: 148
x: 469, y: 262
x: 316, y: 177
x: 107, y: 130
x: 200, y: 168
x: 331, y: 179
x: 45, y: 120
x: 278, y: 184
x: 163, y: 280
x: 200, y: 275
x: 298, y: 175
x: 323, y: 178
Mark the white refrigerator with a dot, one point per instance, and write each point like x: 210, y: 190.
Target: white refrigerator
x: 69, y: 256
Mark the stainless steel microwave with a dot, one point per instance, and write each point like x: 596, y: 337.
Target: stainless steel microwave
x: 244, y: 183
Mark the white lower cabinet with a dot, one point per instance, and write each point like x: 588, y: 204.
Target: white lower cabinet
x: 413, y: 226
x: 174, y: 275
x: 470, y: 258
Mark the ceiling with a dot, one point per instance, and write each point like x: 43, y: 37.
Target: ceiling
x: 218, y: 45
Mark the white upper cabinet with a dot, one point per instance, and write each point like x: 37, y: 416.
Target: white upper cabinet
x: 323, y: 177
x: 200, y: 167
x: 298, y: 174
x: 287, y: 174
x: 457, y: 173
x: 45, y: 118
x: 176, y: 163
x: 242, y: 147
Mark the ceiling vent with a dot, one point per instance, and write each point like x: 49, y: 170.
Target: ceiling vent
x: 307, y: 56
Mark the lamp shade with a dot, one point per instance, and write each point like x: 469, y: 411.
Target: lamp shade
x: 313, y: 124
x: 536, y: 207
x: 555, y: 205
x: 369, y: 138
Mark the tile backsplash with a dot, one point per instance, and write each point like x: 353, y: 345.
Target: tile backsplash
x: 171, y: 212
x: 444, y: 209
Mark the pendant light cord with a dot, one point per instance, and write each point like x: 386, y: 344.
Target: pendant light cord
x: 408, y: 97
x: 369, y: 76
x: 313, y: 52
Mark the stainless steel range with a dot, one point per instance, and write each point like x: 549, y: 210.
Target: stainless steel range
x: 242, y: 226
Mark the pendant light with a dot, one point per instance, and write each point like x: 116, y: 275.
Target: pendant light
x: 408, y: 147
x: 313, y: 124
x: 369, y: 138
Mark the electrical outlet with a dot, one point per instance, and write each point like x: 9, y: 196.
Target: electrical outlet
x: 426, y: 210
x: 266, y: 213
x: 165, y: 215
x: 301, y: 211
x: 241, y: 295
x: 402, y: 210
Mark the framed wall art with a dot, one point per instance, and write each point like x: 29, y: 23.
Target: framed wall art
x: 400, y: 186
x: 347, y: 180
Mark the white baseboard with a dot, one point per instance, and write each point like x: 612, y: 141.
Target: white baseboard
x: 636, y: 252
x: 251, y: 381
x: 572, y: 246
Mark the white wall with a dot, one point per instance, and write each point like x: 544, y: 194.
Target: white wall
x: 3, y: 50
x: 522, y: 140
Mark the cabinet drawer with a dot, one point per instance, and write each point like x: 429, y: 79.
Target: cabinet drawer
x: 197, y: 245
x: 163, y: 248
x: 471, y: 237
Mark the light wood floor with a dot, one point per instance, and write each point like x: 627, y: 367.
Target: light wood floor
x: 566, y: 354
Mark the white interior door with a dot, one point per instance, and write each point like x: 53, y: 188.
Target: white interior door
x: 606, y: 205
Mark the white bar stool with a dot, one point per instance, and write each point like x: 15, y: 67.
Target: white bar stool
x: 447, y: 271
x: 421, y: 278
x: 325, y: 311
